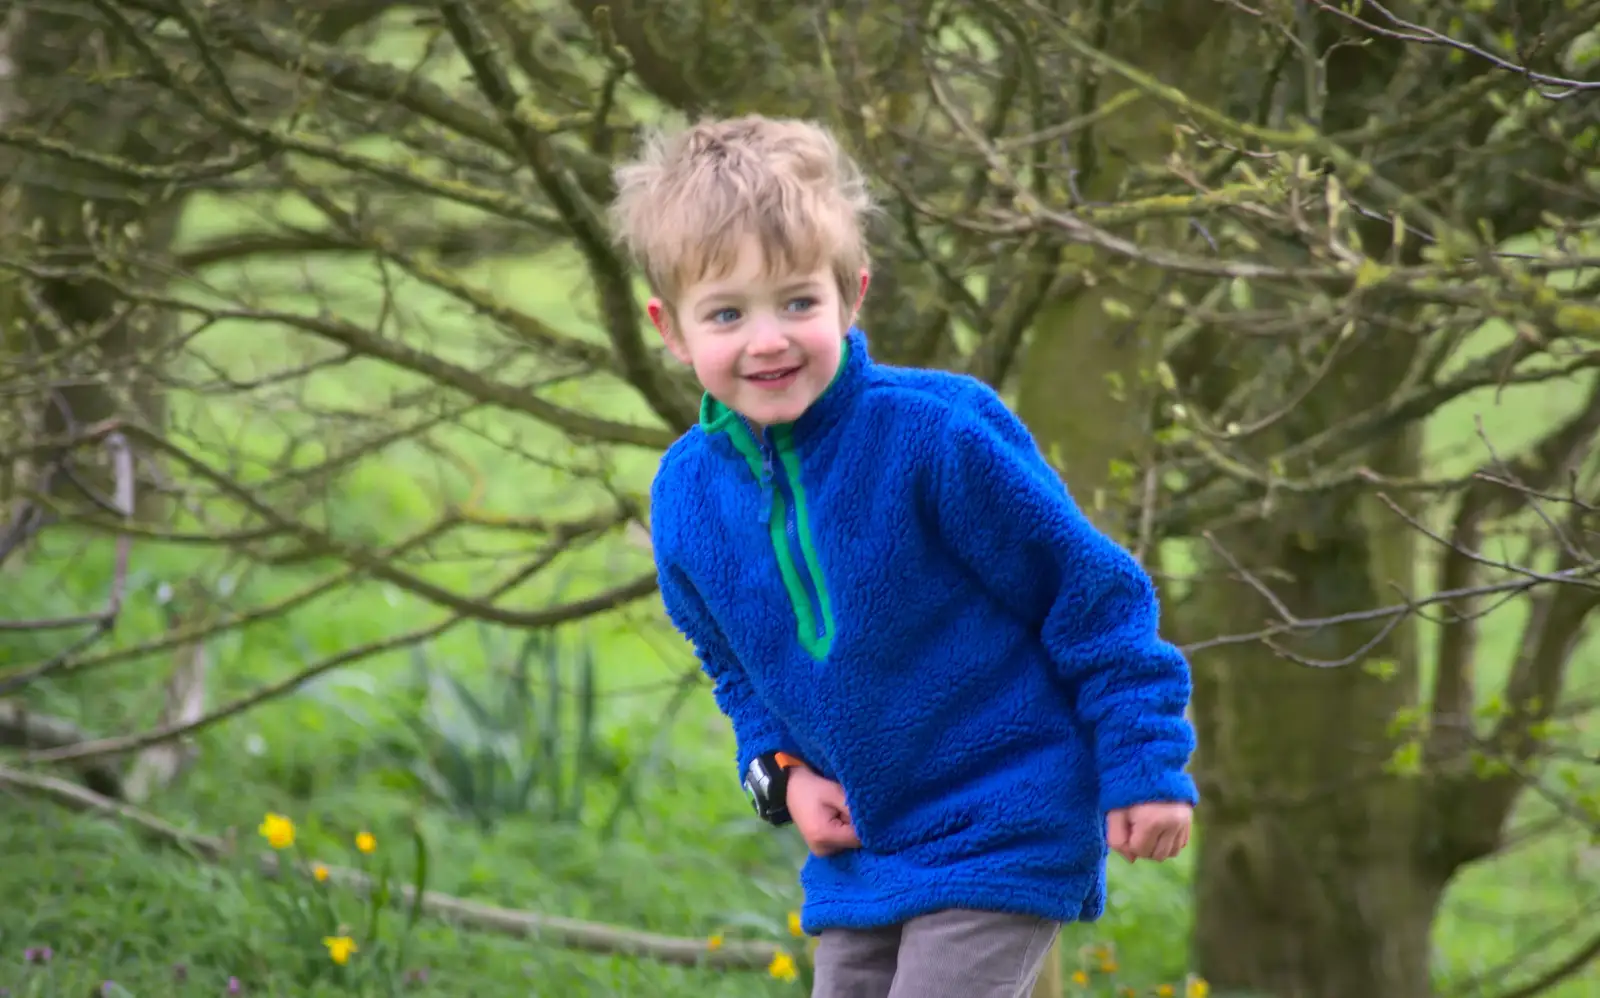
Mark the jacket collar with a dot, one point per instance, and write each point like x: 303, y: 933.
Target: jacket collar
x: 720, y: 423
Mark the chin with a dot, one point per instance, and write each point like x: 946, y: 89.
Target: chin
x: 774, y: 415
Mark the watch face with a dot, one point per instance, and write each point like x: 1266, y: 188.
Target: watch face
x: 757, y: 782
x: 758, y: 786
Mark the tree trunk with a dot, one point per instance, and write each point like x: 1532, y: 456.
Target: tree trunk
x: 1284, y: 909
x: 12, y: 426
x: 62, y: 215
x: 1313, y: 874
x: 1321, y: 864
x: 1311, y: 880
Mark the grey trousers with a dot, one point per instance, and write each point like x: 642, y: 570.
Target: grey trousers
x: 948, y: 954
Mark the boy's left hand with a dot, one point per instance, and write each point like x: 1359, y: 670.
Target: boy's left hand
x: 1157, y: 831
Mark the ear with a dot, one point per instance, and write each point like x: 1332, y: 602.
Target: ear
x: 661, y: 317
x: 861, y: 295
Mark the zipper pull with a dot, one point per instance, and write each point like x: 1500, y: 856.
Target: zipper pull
x: 766, y: 486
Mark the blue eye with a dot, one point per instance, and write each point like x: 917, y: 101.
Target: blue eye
x: 725, y: 315
x: 803, y: 304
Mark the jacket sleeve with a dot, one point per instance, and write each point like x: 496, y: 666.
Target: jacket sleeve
x: 755, y: 731
x: 1004, y: 512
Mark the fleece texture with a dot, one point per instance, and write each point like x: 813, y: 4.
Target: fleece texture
x: 898, y: 589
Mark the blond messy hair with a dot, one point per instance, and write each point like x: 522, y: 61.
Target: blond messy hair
x: 683, y: 208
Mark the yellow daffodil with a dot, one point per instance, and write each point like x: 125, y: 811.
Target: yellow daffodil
x: 278, y: 831
x: 794, y: 924
x: 782, y: 967
x: 714, y: 943
x: 1080, y: 978
x: 1197, y: 988
x: 1105, y: 956
x: 1164, y: 991
x: 366, y: 843
x: 340, y: 948
x: 319, y: 872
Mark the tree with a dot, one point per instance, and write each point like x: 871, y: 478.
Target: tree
x: 70, y: 109
x: 63, y: 209
x: 1229, y: 260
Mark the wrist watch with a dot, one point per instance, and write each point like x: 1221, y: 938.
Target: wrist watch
x: 766, y: 783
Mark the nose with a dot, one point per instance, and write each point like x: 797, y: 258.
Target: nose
x: 766, y: 337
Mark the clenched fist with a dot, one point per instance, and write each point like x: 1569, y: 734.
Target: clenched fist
x: 820, y: 813
x: 1149, y: 831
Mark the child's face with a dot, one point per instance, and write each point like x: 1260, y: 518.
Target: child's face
x: 764, y: 345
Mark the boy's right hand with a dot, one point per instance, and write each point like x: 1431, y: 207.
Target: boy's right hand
x: 820, y: 812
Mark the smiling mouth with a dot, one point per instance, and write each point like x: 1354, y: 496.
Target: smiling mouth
x: 774, y: 375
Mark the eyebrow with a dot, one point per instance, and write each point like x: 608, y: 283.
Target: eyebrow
x: 720, y: 293
x: 808, y: 284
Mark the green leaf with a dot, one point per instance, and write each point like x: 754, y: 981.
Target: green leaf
x: 1164, y: 375
x: 1371, y: 272
x: 1115, y: 308
x: 419, y: 881
x: 1240, y: 295
x: 1406, y: 761
x: 1405, y: 719
x: 1485, y: 766
x: 1383, y: 668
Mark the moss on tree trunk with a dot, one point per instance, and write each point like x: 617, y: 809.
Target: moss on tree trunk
x: 96, y: 356
x: 1311, y: 878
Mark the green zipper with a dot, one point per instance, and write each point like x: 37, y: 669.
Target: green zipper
x: 776, y: 467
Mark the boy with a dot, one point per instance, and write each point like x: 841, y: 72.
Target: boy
x: 934, y: 666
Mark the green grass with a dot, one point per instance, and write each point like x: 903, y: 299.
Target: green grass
x: 687, y: 857
x: 113, y: 911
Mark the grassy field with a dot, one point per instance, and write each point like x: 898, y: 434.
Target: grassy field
x: 661, y: 839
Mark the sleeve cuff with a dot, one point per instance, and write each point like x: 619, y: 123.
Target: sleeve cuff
x: 760, y: 748
x: 1127, y: 787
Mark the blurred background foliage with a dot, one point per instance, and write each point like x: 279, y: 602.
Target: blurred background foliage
x: 328, y: 413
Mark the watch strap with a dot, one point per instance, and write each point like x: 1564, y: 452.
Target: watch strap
x: 767, y: 784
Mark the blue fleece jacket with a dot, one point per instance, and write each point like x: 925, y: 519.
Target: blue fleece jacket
x: 898, y: 589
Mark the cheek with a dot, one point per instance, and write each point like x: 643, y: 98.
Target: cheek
x: 716, y: 358
x: 824, y: 337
